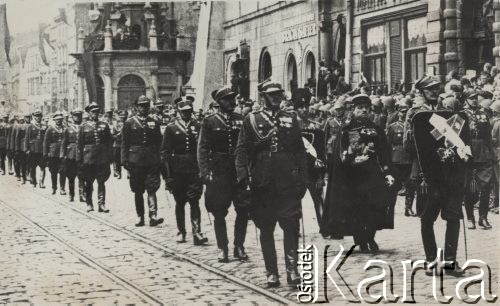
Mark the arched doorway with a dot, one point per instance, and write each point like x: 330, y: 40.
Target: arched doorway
x: 310, y: 69
x: 291, y: 74
x: 265, y: 66
x: 130, y: 87
x: 99, y: 92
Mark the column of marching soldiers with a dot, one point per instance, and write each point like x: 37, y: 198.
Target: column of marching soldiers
x: 255, y: 156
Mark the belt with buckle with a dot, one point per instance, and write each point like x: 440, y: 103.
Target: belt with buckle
x: 274, y: 148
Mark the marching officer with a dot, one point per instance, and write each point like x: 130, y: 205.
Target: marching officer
x: 4, y: 133
x: 69, y: 154
x: 117, y: 142
x: 52, y: 150
x: 141, y: 141
x: 216, y: 157
x: 401, y: 159
x: 10, y: 144
x: 94, y: 156
x: 270, y: 158
x: 481, y: 174
x: 34, y: 142
x: 436, y: 199
x: 20, y: 148
x: 178, y: 154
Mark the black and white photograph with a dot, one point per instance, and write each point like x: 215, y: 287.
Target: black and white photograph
x: 243, y: 152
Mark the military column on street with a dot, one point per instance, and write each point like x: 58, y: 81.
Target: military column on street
x: 364, y: 145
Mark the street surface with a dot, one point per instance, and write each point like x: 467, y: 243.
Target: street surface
x: 53, y: 252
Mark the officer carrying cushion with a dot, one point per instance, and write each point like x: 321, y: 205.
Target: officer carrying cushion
x: 271, y: 160
x: 141, y: 141
x: 178, y: 154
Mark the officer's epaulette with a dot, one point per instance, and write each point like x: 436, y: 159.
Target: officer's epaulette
x: 210, y: 115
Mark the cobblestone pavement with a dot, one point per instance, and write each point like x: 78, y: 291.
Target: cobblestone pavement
x: 52, y: 254
x: 403, y: 243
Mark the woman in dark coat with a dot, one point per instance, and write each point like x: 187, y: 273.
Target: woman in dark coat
x: 361, y: 191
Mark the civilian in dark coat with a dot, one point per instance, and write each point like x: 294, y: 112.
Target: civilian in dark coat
x: 359, y: 200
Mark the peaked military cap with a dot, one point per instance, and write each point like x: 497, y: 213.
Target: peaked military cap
x: 37, y: 113
x: 361, y: 99
x: 427, y: 82
x: 122, y: 113
x: 222, y: 93
x: 57, y: 115
x: 92, y: 106
x: 470, y: 94
x: 270, y: 86
x: 77, y: 112
x: 143, y: 100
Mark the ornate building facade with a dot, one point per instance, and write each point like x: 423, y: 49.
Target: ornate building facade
x: 126, y: 49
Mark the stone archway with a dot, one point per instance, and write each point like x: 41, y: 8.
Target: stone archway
x: 291, y: 77
x: 130, y: 87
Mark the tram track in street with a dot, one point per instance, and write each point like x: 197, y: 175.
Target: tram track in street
x: 175, y: 254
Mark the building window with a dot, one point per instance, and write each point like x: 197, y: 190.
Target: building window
x: 310, y: 72
x: 291, y: 74
x: 375, y: 55
x: 265, y: 66
x: 415, y: 49
x: 395, y: 48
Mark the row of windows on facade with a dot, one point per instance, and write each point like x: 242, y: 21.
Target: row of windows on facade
x: 40, y: 85
x: 406, y: 41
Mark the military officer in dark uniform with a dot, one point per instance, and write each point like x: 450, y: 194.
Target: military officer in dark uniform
x: 401, y: 159
x: 52, y: 150
x: 333, y: 125
x: 68, y: 155
x: 481, y: 174
x: 117, y: 143
x: 178, y: 154
x: 4, y: 133
x: 315, y: 165
x: 10, y: 144
x: 141, y: 141
x: 94, y: 156
x: 216, y: 147
x: 34, y: 142
x: 20, y: 148
x: 271, y: 161
x: 435, y: 200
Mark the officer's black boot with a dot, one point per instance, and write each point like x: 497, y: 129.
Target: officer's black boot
x: 88, y: 196
x: 450, y: 248
x: 318, y: 202
x: 139, y: 207
x: 181, y: 222
x: 270, y: 259
x: 115, y: 172
x: 62, y: 183
x: 198, y: 237
x: 42, y: 179
x: 484, y: 203
x: 119, y: 171
x: 53, y: 179
x: 153, y: 207
x: 290, y: 244
x: 81, y: 189
x: 221, y: 237
x: 71, y: 187
x: 409, y: 196
x: 101, y: 197
x: 240, y: 232
x: 429, y: 241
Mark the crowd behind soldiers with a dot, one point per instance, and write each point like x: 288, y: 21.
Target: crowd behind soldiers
x: 253, y: 155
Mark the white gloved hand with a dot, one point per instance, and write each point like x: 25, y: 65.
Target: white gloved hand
x: 389, y: 180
